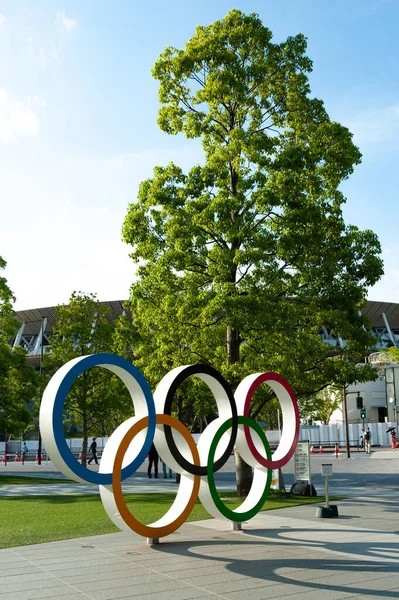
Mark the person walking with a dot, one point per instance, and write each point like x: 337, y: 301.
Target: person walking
x: 153, y: 460
x: 164, y: 471
x: 24, y: 452
x: 93, y: 450
x: 367, y: 440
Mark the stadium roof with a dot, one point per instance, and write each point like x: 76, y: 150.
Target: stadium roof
x: 375, y: 310
x: 33, y: 318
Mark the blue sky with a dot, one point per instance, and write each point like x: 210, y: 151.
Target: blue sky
x: 78, y: 132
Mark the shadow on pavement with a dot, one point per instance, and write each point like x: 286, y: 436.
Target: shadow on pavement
x: 322, y: 574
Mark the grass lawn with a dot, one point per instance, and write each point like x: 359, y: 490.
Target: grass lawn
x: 22, y: 480
x: 37, y: 519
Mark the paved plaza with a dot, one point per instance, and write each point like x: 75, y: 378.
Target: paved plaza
x: 285, y: 553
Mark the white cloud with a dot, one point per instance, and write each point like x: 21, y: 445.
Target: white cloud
x: 2, y: 19
x: 52, y: 48
x: 378, y: 125
x: 64, y: 24
x: 16, y: 119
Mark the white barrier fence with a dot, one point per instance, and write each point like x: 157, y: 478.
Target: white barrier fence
x: 325, y: 435
x: 332, y: 434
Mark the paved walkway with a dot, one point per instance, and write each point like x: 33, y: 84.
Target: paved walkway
x: 380, y: 470
x: 280, y: 554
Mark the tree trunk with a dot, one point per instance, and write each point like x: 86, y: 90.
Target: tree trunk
x: 243, y: 471
x: 233, y: 345
x: 243, y: 475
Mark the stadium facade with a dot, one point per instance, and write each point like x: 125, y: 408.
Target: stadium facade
x: 384, y: 317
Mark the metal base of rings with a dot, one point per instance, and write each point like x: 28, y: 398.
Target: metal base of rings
x: 152, y: 541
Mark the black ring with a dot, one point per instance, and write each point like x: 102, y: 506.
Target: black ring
x: 182, y: 376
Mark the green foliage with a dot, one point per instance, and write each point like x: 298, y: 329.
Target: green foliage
x: 18, y: 387
x: 97, y: 400
x: 18, y: 380
x: 393, y: 354
x: 244, y: 259
x: 8, y: 325
x: 321, y: 406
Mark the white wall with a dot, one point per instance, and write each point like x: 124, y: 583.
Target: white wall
x: 374, y: 396
x: 331, y: 434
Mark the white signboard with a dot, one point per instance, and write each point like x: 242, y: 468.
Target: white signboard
x: 302, y: 462
x: 326, y: 470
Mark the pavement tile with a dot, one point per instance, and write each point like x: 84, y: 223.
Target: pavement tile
x: 6, y: 558
x: 177, y: 568
x: 92, y: 565
x: 240, y: 584
x: 120, y: 570
x: 285, y: 591
x: 119, y: 582
x: 43, y: 553
x: 77, y: 571
x: 361, y: 585
x: 36, y: 594
x: 207, y: 571
x: 31, y: 585
x: 142, y: 554
x: 38, y: 576
x: 22, y: 570
x: 322, y: 594
x: 218, y: 579
x: 84, y: 560
x: 173, y: 595
x: 130, y: 591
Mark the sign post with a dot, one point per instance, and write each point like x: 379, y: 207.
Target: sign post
x: 326, y: 472
x: 302, y: 462
x: 327, y: 511
x: 303, y: 476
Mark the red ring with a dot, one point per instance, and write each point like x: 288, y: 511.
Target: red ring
x: 263, y: 378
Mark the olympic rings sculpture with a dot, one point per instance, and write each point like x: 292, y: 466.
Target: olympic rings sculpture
x: 130, y: 443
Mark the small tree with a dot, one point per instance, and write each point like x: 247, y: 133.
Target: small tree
x: 97, y: 398
x: 321, y: 406
x: 18, y: 380
x: 393, y: 354
x: 18, y: 387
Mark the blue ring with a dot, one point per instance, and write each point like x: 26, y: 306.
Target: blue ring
x: 98, y: 360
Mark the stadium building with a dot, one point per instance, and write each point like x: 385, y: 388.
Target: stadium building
x: 379, y: 397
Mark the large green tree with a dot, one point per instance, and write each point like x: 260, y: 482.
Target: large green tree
x: 97, y: 401
x: 18, y: 380
x: 244, y: 259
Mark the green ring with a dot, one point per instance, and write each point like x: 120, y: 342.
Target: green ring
x: 226, y: 512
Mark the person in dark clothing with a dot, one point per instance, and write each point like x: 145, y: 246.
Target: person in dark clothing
x: 153, y: 460
x: 93, y: 450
